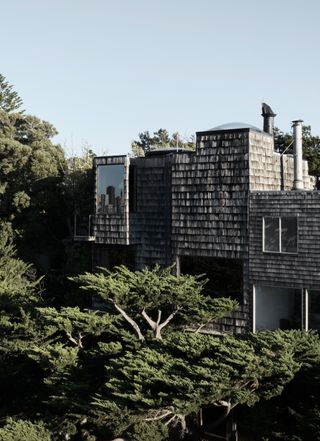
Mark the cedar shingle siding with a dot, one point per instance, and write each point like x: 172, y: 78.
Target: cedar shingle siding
x: 211, y: 203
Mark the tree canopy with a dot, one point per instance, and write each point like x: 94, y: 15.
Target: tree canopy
x: 148, y: 356
x: 310, y: 144
x: 159, y: 140
x: 85, y: 374
x: 9, y: 98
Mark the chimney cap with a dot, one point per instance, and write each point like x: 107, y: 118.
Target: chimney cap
x: 267, y: 111
x: 296, y: 122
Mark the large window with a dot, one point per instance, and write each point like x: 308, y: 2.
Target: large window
x: 110, y: 188
x: 280, y: 234
x: 277, y: 308
x: 285, y: 308
x: 314, y: 309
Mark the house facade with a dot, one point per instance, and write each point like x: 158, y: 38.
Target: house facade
x: 248, y: 213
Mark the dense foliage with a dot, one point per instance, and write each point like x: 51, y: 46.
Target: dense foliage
x: 311, y: 148
x: 147, y: 357
x: 159, y: 140
x: 139, y: 367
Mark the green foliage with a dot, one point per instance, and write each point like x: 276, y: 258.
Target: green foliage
x: 155, y: 297
x: 311, y: 147
x: 18, y: 430
x: 160, y: 139
x: 9, y: 99
x: 32, y: 168
x: 79, y: 183
x: 143, y: 431
x: 17, y: 281
x: 190, y: 370
x: 294, y: 415
x: 87, y: 374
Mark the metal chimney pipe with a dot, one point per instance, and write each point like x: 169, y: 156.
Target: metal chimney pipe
x: 297, y: 154
x: 268, y: 118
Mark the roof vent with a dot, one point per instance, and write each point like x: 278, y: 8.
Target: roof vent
x: 268, y: 118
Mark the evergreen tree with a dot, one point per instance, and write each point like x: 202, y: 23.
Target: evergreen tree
x: 18, y: 430
x: 310, y: 144
x: 9, y: 99
x: 168, y: 376
x: 160, y: 139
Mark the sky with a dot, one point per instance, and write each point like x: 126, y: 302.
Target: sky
x: 102, y: 71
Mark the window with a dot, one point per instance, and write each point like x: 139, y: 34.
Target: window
x: 314, y: 309
x: 280, y: 234
x: 277, y: 308
x: 132, y: 189
x: 110, y: 188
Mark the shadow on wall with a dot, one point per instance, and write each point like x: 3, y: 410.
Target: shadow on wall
x: 225, y: 275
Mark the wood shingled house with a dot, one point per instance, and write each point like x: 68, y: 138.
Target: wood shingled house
x: 234, y: 208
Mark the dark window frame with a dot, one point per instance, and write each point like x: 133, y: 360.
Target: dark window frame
x: 279, y: 233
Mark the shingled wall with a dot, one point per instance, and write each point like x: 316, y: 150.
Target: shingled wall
x: 300, y: 270
x: 150, y: 223
x: 270, y: 170
x: 209, y: 196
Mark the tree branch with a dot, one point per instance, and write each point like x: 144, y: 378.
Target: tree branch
x: 159, y: 317
x: 163, y: 324
x: 73, y: 340
x: 159, y: 417
x: 152, y: 323
x: 129, y: 320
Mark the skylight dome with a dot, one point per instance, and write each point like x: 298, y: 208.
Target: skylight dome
x: 234, y: 126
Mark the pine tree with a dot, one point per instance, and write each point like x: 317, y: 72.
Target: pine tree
x: 9, y: 99
x: 166, y: 377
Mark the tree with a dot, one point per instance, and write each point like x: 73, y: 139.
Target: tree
x: 295, y: 415
x: 311, y: 148
x: 154, y: 299
x: 160, y: 139
x: 40, y: 191
x: 139, y: 368
x: 32, y: 169
x: 17, y: 430
x: 9, y: 99
x: 173, y: 371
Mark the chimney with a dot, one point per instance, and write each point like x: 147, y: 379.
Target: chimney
x: 268, y: 118
x: 297, y: 154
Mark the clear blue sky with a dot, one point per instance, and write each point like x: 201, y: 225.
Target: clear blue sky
x: 102, y: 71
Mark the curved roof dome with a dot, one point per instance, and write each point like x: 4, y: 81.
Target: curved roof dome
x: 234, y: 126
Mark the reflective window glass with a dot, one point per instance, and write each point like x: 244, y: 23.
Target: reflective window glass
x: 289, y: 234
x: 271, y: 234
x: 110, y: 188
x: 278, y: 308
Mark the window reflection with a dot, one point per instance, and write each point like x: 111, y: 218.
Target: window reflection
x: 278, y: 308
x: 280, y: 234
x: 289, y: 234
x: 110, y: 188
x: 271, y: 234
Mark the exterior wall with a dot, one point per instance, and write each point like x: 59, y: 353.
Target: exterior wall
x: 209, y: 196
x: 270, y: 170
x: 301, y: 270
x: 112, y: 229
x: 150, y: 223
x: 211, y: 203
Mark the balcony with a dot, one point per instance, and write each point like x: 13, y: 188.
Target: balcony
x: 83, y: 228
